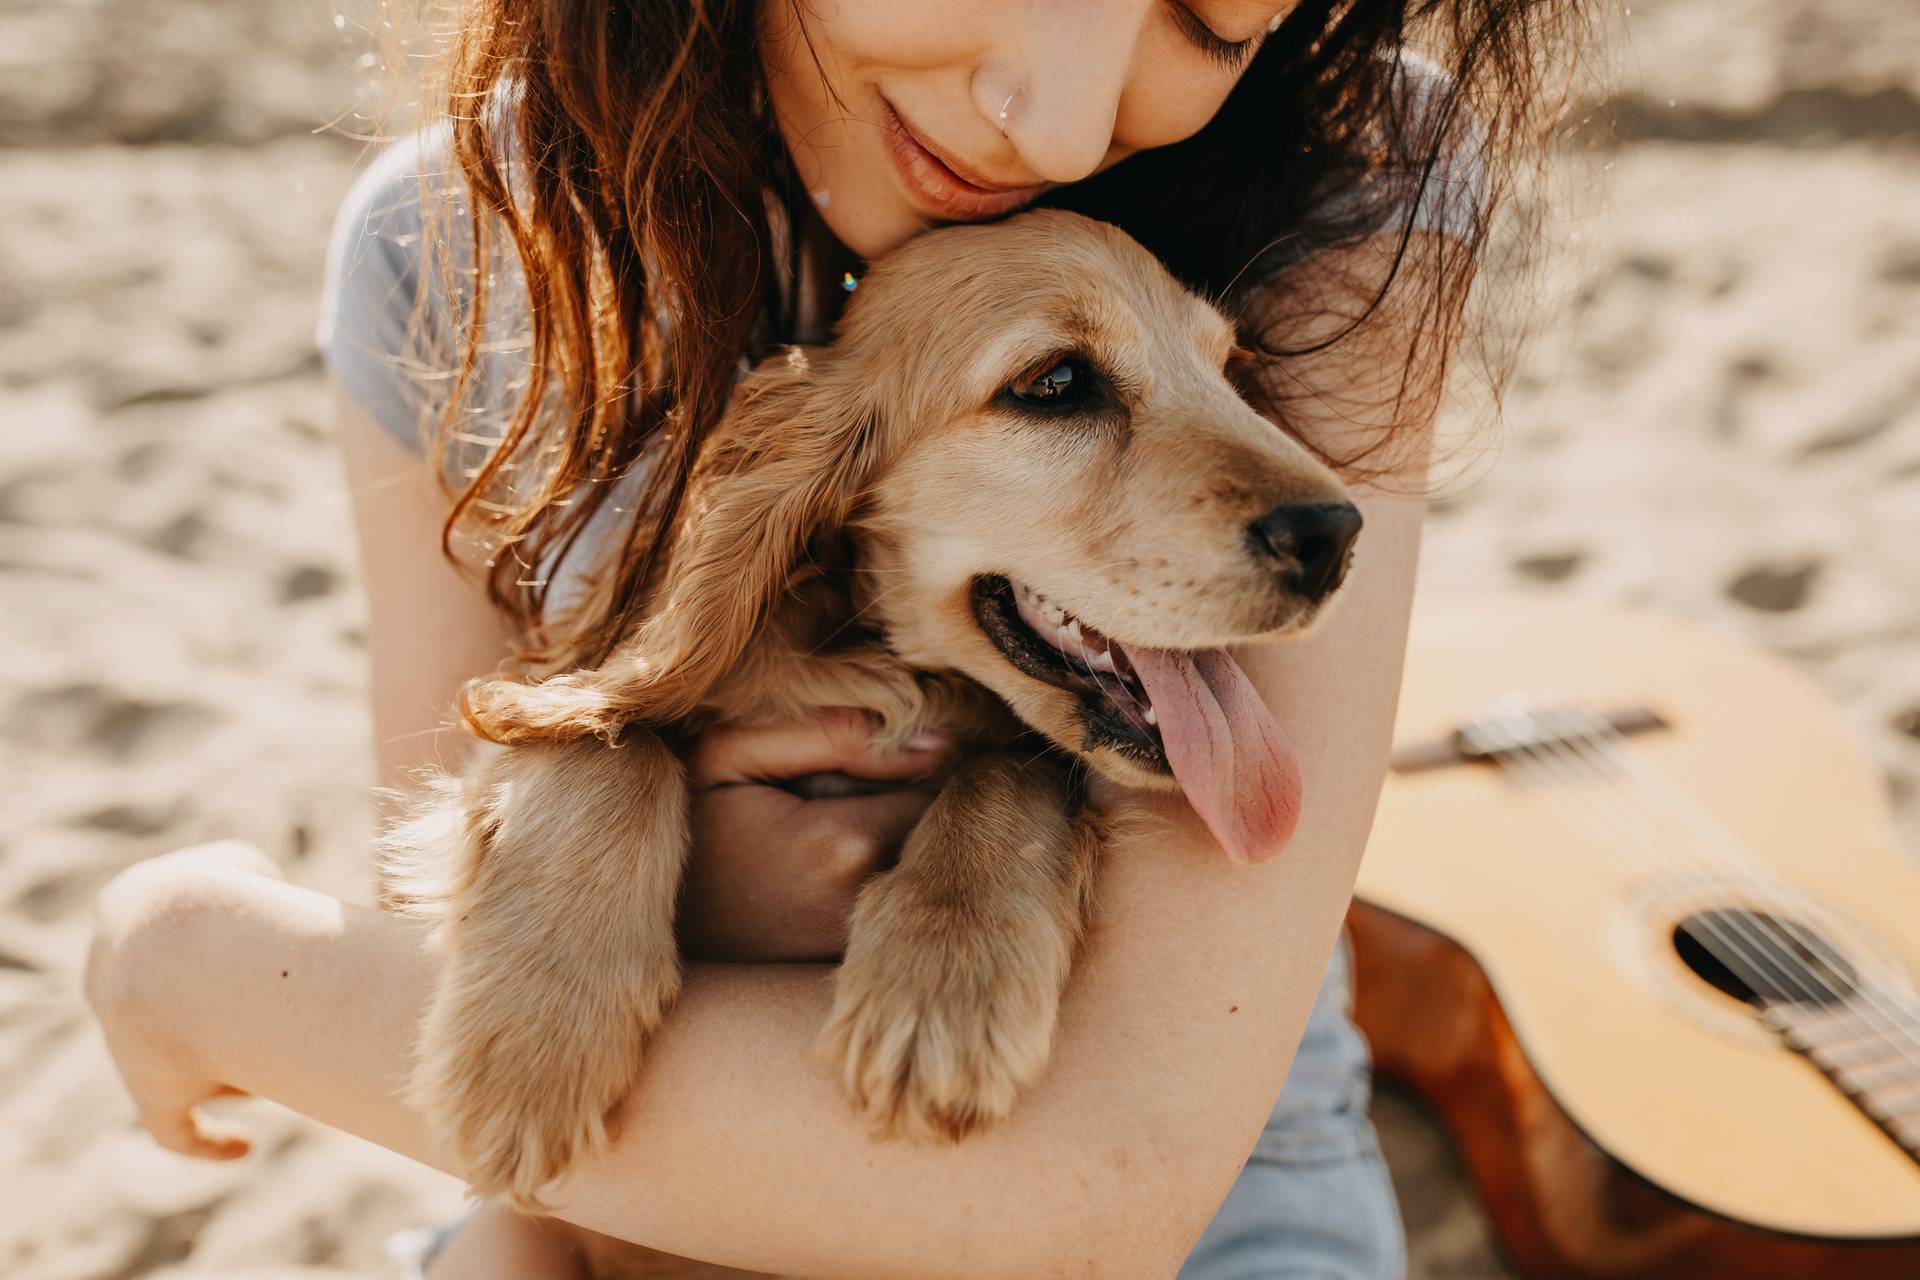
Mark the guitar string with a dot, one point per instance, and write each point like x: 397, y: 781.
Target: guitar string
x: 1551, y: 769
x: 1726, y: 948
x: 1725, y: 847
x: 1886, y: 1032
x: 1881, y: 988
x: 1531, y: 761
x: 1573, y: 767
x: 1764, y: 943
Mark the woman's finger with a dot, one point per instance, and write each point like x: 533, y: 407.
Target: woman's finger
x: 837, y: 741
x: 775, y: 877
x: 857, y: 835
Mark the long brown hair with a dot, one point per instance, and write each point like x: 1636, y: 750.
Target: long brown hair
x: 622, y: 159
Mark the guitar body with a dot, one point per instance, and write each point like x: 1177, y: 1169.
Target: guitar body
x: 1518, y: 934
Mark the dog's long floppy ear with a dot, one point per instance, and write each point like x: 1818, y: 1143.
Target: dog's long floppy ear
x: 789, y: 460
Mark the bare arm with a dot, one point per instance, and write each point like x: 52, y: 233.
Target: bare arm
x: 1176, y: 1030
x: 429, y: 629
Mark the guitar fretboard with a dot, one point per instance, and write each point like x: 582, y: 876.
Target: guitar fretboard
x: 1870, y: 1050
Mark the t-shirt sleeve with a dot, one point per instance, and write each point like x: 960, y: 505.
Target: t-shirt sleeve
x: 1450, y: 198
x: 367, y: 331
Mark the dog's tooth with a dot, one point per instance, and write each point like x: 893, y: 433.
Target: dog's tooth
x: 1151, y: 717
x: 1072, y: 630
x: 1099, y: 660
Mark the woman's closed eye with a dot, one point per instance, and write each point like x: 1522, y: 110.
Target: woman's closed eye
x: 1233, y: 55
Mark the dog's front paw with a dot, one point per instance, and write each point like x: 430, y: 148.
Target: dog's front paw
x: 936, y: 1026
x: 519, y: 1083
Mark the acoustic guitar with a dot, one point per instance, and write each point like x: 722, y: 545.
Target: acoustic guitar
x: 1634, y: 920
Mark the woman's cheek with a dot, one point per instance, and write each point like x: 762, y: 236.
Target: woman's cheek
x: 1167, y: 100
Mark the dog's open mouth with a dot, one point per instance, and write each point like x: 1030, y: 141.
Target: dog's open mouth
x: 1193, y: 713
x: 1050, y: 644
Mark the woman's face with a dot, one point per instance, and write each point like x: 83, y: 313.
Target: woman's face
x: 898, y: 127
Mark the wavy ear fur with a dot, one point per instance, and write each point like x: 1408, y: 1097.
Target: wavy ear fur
x: 786, y: 463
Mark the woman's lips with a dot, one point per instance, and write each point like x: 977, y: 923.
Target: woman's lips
x: 939, y: 190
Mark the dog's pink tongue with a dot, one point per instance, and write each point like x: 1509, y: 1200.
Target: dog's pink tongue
x: 1237, y: 767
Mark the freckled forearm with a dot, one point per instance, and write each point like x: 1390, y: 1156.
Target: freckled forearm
x: 293, y: 996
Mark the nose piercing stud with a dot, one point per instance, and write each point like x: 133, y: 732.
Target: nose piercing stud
x: 1003, y: 110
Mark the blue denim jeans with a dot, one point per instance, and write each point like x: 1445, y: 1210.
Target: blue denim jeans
x: 1314, y: 1201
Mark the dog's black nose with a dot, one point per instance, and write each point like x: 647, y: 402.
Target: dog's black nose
x: 1311, y: 540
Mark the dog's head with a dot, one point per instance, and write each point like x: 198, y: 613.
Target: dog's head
x: 1054, y: 488
x: 1079, y: 510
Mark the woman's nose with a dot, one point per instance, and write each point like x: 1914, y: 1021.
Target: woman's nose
x: 1074, y: 61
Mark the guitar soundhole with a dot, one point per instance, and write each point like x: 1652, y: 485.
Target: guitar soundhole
x: 1762, y: 959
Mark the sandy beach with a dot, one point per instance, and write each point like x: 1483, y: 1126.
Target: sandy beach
x: 1721, y: 420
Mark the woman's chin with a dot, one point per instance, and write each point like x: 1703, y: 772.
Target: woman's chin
x: 870, y: 217
x: 874, y: 232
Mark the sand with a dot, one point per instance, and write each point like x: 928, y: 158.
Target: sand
x: 1722, y: 420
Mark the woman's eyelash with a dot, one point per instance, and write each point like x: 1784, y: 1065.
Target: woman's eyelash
x: 1231, y: 54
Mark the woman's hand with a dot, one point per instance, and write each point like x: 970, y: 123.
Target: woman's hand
x: 162, y: 1072
x: 774, y: 874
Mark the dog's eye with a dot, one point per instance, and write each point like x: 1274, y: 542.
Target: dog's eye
x: 1062, y: 384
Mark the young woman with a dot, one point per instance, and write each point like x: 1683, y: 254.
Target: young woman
x: 550, y: 293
